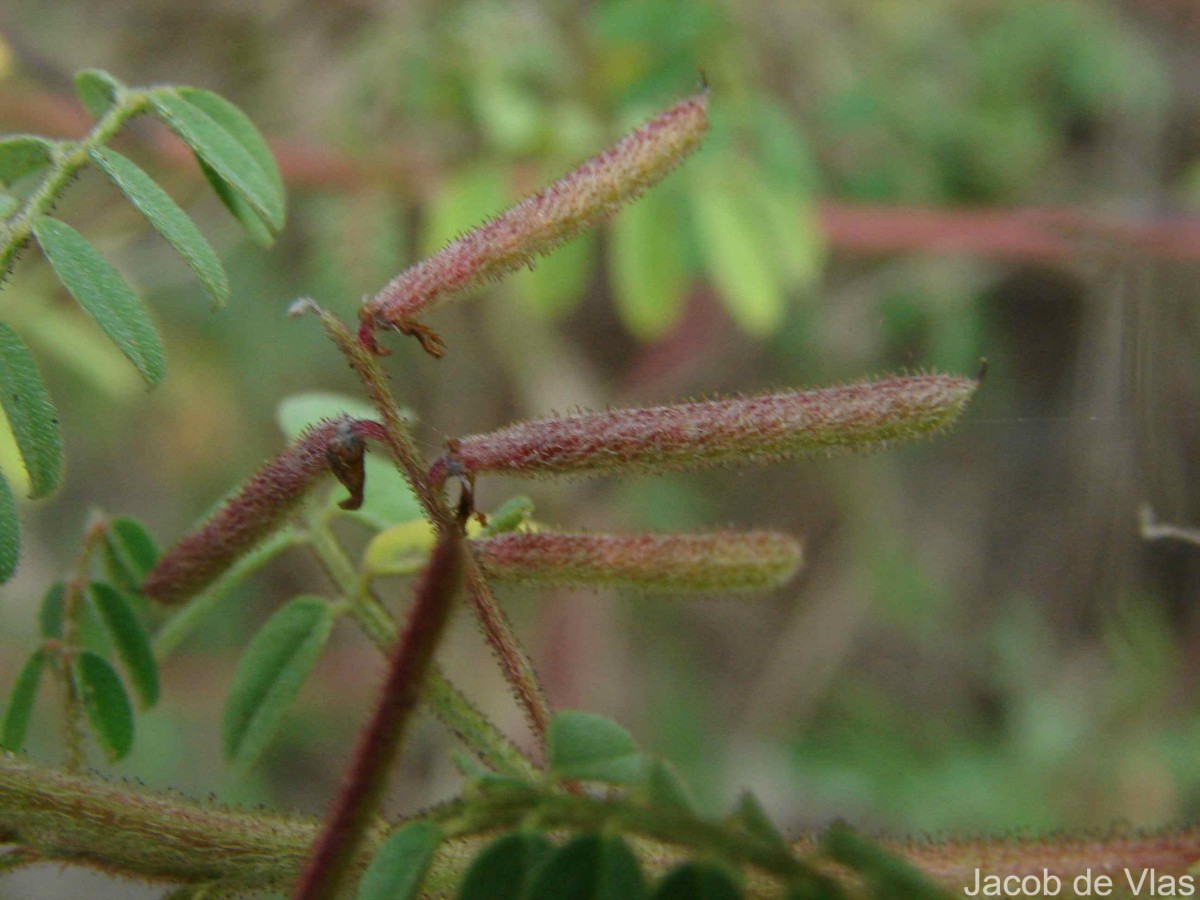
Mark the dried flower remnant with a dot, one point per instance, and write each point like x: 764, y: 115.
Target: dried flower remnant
x: 719, y: 561
x: 261, y: 505
x: 537, y: 225
x: 866, y: 415
x: 344, y: 453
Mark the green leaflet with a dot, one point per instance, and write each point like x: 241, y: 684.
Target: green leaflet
x: 239, y: 126
x: 107, y: 704
x: 752, y: 817
x: 400, y: 865
x: 649, y: 267
x: 788, y: 226
x: 20, y: 702
x: 224, y: 153
x: 50, y: 613
x: 97, y: 90
x: 130, y: 639
x: 22, y: 155
x: 503, y: 869
x: 10, y: 532
x: 8, y: 205
x: 598, y: 867
x: 103, y: 293
x: 589, y: 747
x: 168, y: 220
x: 663, y: 787
x: 258, y: 230
x: 269, y: 674
x: 739, y: 264
x: 129, y: 553
x: 31, y: 414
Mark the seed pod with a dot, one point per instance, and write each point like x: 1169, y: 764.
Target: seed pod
x: 537, y: 225
x: 866, y: 415
x: 720, y: 561
x: 260, y: 506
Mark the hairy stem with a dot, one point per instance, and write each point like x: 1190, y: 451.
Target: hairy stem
x: 135, y: 833
x: 514, y: 661
x: 69, y: 159
x: 73, y: 730
x: 518, y: 670
x: 456, y: 712
x: 334, y: 854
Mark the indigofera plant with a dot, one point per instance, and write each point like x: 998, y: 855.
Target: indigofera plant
x: 530, y: 821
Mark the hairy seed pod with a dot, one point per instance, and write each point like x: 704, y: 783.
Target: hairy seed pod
x: 866, y: 415
x: 719, y: 561
x: 537, y: 225
x: 261, y: 505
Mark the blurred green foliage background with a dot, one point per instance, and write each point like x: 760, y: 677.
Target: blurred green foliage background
x: 981, y: 640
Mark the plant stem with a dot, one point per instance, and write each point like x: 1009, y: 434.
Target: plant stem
x: 73, y: 733
x: 70, y: 157
x: 517, y: 668
x: 457, y: 713
x: 514, y: 661
x: 337, y: 848
x: 135, y: 833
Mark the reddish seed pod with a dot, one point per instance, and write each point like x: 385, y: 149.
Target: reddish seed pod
x: 537, y: 225
x: 720, y: 561
x: 860, y: 416
x: 261, y: 505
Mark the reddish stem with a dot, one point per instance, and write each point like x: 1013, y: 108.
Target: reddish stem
x: 337, y: 848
